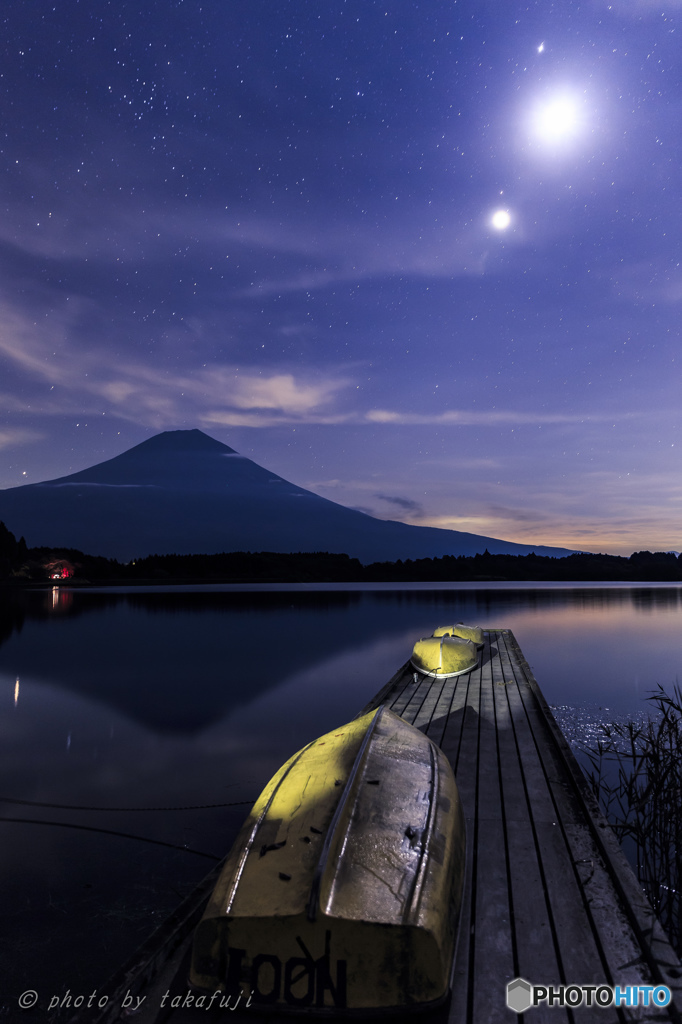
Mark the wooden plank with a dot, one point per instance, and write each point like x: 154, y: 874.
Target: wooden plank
x: 492, y: 936
x: 461, y: 747
x: 452, y: 719
x: 534, y: 928
x: 401, y: 703
x: 603, y: 908
x: 420, y: 694
x: 544, y: 889
x: 460, y: 744
x: 460, y: 736
x: 579, y: 953
x: 425, y: 713
x: 620, y: 951
x: 435, y: 727
x: 457, y: 1009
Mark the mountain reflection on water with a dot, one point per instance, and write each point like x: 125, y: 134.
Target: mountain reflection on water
x: 148, y: 648
x: 176, y: 698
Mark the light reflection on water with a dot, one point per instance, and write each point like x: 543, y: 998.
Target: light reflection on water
x: 583, y: 725
x: 196, y: 696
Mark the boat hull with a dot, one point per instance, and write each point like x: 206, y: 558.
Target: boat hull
x: 444, y: 656
x: 343, y: 891
x: 473, y: 633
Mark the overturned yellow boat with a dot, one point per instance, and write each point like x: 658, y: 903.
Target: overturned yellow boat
x: 342, y: 891
x: 473, y: 633
x: 444, y: 656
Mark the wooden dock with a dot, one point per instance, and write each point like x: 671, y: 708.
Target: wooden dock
x: 549, y: 896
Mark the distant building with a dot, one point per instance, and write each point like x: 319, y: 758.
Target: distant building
x: 59, y: 570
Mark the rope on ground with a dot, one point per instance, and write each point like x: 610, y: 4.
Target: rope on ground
x: 109, y: 832
x: 80, y: 807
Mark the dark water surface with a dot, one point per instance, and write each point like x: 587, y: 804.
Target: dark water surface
x: 176, y: 698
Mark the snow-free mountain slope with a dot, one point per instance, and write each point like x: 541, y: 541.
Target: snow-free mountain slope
x: 184, y: 492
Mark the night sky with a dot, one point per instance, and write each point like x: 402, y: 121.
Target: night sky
x: 421, y: 258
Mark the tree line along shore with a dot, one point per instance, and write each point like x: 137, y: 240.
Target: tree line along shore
x: 21, y: 565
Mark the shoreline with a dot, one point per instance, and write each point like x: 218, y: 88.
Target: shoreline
x: 338, y: 585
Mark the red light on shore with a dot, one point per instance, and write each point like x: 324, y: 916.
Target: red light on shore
x: 59, y: 570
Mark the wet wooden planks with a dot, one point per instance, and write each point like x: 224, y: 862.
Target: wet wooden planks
x: 548, y: 898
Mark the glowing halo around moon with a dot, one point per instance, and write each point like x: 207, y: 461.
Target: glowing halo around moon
x: 500, y: 220
x: 556, y: 121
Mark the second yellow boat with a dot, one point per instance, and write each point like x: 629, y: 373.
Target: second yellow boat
x: 473, y: 633
x: 443, y: 656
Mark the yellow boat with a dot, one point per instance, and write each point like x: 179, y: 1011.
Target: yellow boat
x: 473, y: 633
x: 444, y: 656
x: 342, y: 891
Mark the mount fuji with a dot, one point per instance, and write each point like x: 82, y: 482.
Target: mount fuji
x: 183, y: 492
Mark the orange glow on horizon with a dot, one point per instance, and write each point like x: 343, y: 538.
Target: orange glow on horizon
x: 598, y: 539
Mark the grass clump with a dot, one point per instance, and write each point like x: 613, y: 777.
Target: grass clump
x: 637, y: 778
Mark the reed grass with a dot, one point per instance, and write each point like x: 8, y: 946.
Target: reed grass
x: 637, y: 777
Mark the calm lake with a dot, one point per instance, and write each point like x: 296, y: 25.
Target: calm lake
x: 118, y: 705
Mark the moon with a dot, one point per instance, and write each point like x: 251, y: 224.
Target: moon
x: 556, y: 120
x: 500, y: 220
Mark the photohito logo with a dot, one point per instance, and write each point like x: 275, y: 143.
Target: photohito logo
x: 521, y: 995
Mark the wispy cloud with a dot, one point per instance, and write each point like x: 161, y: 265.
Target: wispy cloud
x: 288, y: 253
x: 366, y: 254
x: 408, y: 505
x: 12, y: 438
x: 226, y: 395
x: 103, y: 378
x: 11, y: 403
x: 20, y: 343
x: 470, y: 417
x: 99, y: 378
x: 648, y: 281
x: 491, y: 517
x: 282, y: 391
x: 259, y: 420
